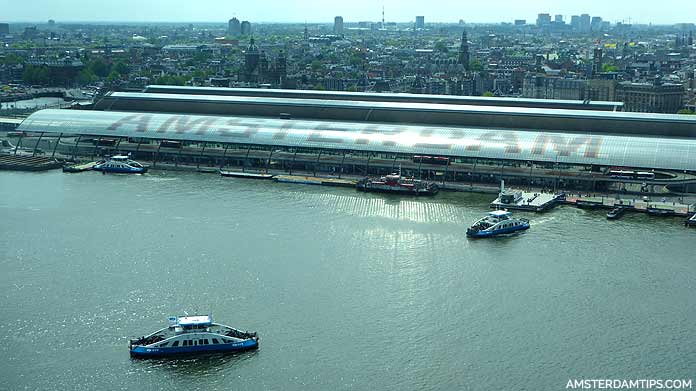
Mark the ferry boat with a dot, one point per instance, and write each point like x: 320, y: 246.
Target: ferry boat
x: 191, y: 335
x: 120, y: 164
x: 497, y: 222
x: 395, y: 183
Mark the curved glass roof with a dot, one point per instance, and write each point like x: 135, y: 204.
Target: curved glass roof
x: 574, y: 148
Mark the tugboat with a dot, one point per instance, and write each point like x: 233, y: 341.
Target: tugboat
x: 120, y: 164
x: 395, y: 183
x: 191, y: 335
x: 497, y: 222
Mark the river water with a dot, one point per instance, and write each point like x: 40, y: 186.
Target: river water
x: 347, y: 290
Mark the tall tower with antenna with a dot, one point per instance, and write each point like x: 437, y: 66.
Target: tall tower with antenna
x: 383, y: 16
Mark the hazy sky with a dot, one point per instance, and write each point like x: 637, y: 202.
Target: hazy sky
x: 640, y: 11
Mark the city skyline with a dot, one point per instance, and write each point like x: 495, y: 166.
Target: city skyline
x: 669, y: 12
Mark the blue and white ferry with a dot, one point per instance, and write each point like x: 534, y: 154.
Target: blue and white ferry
x: 120, y: 164
x: 497, y: 222
x: 191, y: 335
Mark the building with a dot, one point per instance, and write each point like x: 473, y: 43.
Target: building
x: 523, y: 146
x: 234, y: 28
x: 600, y: 90
x: 575, y: 22
x: 520, y: 22
x: 252, y: 63
x: 597, y: 62
x: 585, y: 25
x: 338, y: 25
x: 558, y: 19
x: 651, y: 97
x: 420, y: 22
x: 596, y: 23
x: 543, y: 20
x: 4, y: 28
x: 246, y: 28
x: 464, y: 59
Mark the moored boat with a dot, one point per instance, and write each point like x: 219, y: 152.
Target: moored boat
x: 395, y: 183
x: 497, y: 222
x: 616, y: 213
x: 192, y: 335
x: 120, y: 164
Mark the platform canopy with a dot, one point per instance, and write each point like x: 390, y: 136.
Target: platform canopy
x: 506, y: 144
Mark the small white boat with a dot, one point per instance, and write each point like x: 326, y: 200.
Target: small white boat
x: 497, y: 222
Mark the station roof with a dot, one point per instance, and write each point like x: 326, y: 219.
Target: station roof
x: 407, y: 112
x: 556, y: 147
x: 388, y: 97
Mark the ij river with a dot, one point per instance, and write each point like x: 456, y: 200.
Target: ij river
x: 347, y: 290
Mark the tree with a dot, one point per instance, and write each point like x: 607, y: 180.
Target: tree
x: 121, y: 68
x: 609, y: 68
x: 319, y: 87
x: 352, y: 88
x: 316, y: 65
x: 86, y: 77
x: 475, y: 65
x: 99, y: 67
x: 488, y: 94
x: 441, y: 46
x: 113, y: 76
x: 686, y: 111
x: 35, y: 75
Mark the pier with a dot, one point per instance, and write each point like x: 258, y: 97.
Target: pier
x: 28, y: 163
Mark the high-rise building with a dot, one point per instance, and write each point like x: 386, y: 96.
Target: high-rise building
x: 338, y: 25
x: 558, y: 19
x: 420, y: 22
x: 4, y: 28
x: 234, y: 28
x: 246, y: 28
x: 543, y: 20
x: 575, y: 22
x: 585, y: 23
x: 520, y: 22
x: 596, y: 23
x: 464, y: 51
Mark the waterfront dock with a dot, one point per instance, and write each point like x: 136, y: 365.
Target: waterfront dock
x: 28, y: 163
x: 652, y: 207
x: 528, y: 201
x: 312, y: 180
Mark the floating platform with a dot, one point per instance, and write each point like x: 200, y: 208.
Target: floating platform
x: 535, y: 202
x: 250, y: 175
x: 79, y: 167
x: 28, y: 163
x: 655, y: 211
x: 311, y: 180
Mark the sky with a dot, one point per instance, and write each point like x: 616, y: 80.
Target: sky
x: 315, y: 11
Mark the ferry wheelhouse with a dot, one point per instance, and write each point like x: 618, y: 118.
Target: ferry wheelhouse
x: 191, y: 335
x: 120, y: 164
x: 497, y: 222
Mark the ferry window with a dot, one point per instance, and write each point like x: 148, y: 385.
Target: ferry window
x: 200, y: 341
x: 164, y: 344
x: 215, y: 341
x: 185, y: 343
x: 176, y: 343
x: 205, y: 341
